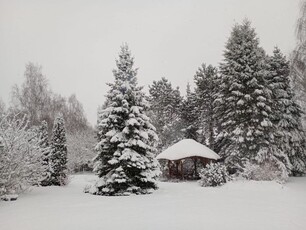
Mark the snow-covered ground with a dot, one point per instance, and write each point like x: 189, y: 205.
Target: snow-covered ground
x: 237, y: 205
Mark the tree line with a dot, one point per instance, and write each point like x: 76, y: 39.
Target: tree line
x: 245, y: 109
x: 46, y: 131
x: 248, y: 109
x: 35, y: 98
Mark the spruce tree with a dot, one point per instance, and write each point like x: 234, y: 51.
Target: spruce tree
x: 190, y: 115
x: 165, y: 105
x: 58, y: 153
x: 287, y: 115
x: 125, y: 162
x: 243, y: 104
x: 205, y: 80
x: 45, y: 148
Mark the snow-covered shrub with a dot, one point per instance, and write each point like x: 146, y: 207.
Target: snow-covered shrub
x: 21, y: 158
x: 214, y: 174
x: 266, y: 171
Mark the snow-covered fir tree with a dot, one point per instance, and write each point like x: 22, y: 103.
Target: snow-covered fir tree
x: 45, y: 148
x: 205, y: 80
x: 58, y: 153
x: 125, y: 161
x: 165, y: 107
x: 101, y: 115
x: 287, y: 114
x: 243, y: 104
x: 190, y: 115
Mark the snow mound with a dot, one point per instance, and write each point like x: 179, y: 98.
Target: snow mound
x: 187, y: 148
x: 252, y: 185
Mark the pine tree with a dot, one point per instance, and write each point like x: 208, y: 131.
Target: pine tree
x: 190, y: 115
x: 205, y: 80
x: 243, y: 104
x: 287, y: 115
x: 125, y: 162
x: 165, y: 104
x: 45, y: 148
x: 58, y: 153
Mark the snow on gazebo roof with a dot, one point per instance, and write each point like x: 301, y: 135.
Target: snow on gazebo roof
x: 187, y: 148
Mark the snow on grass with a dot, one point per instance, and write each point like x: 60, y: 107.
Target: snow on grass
x: 236, y: 205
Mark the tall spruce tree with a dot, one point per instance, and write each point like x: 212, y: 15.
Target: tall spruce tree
x: 165, y: 105
x: 243, y: 104
x: 125, y: 162
x: 205, y: 80
x: 287, y: 115
x: 45, y: 148
x: 190, y: 115
x: 58, y: 153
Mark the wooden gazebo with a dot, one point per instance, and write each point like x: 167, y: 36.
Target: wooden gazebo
x: 183, y: 150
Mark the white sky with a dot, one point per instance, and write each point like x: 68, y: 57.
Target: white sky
x: 77, y: 41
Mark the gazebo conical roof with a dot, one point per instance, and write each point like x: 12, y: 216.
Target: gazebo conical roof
x: 187, y: 148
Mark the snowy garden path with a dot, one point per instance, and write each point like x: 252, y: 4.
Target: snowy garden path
x: 237, y: 205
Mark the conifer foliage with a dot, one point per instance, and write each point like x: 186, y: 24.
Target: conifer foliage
x: 58, y: 153
x: 125, y: 162
x: 243, y: 105
x: 166, y: 104
x: 206, y: 83
x: 45, y: 148
x: 190, y: 115
x: 287, y: 115
x: 260, y: 123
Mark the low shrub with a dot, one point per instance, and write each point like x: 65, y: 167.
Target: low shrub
x: 263, y: 172
x: 214, y: 174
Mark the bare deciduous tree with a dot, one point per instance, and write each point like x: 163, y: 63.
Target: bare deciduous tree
x: 298, y: 64
x: 33, y: 97
x: 76, y: 119
x: 2, y: 107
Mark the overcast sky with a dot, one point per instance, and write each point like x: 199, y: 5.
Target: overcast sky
x: 77, y: 41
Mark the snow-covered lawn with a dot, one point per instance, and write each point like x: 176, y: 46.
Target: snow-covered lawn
x: 238, y: 205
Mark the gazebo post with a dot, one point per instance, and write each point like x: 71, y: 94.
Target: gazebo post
x: 182, y: 169
x: 195, y: 166
x: 169, y: 168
